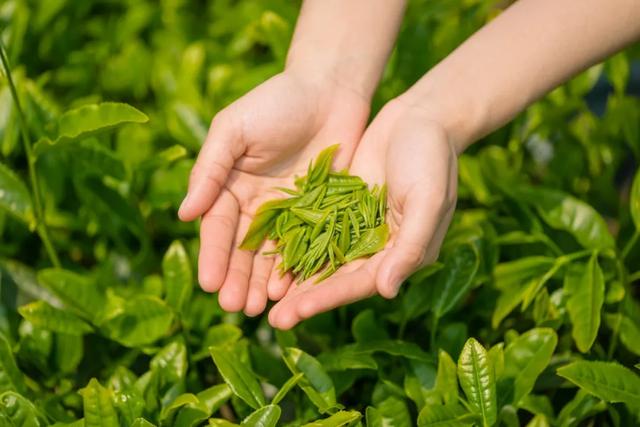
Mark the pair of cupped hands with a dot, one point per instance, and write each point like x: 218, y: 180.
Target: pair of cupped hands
x: 266, y: 138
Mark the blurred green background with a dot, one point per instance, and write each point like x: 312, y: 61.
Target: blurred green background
x: 111, y: 207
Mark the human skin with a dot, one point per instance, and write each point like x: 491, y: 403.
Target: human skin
x: 413, y: 143
x: 265, y: 138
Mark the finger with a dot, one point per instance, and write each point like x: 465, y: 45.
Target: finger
x: 233, y: 293
x: 209, y: 174
x: 217, y: 231
x: 309, y: 298
x: 278, y: 283
x: 257, y: 296
x: 401, y: 261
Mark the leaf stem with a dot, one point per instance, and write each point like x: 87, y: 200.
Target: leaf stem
x: 630, y: 244
x: 41, y: 226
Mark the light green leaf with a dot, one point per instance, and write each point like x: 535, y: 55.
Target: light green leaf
x: 170, y: 363
x: 238, y: 375
x: 524, y: 360
x: 178, y: 277
x: 98, y: 406
x: 286, y: 387
x: 93, y: 118
x: 585, y: 288
x: 15, y: 197
x: 209, y: 401
x: 19, y: 411
x: 68, y: 351
x: 41, y: 314
x: 565, y: 212
x: 477, y: 379
x: 76, y: 291
x: 11, y: 378
x: 456, y: 278
x: 609, y: 381
x: 140, y: 321
x: 394, y: 412
x: 141, y: 422
x: 538, y: 421
x: 218, y: 335
x: 267, y: 416
x: 316, y: 383
x: 445, y: 416
x: 446, y: 379
x: 339, y: 419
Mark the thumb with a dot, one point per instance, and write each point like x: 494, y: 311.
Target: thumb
x: 220, y: 151
x: 418, y: 241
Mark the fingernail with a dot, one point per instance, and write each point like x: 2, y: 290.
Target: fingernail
x: 184, y: 202
x: 395, y: 285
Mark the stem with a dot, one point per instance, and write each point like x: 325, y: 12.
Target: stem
x: 630, y: 244
x: 41, y: 226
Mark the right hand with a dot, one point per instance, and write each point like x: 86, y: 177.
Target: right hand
x: 262, y: 141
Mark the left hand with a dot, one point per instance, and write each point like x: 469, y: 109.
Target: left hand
x: 416, y: 159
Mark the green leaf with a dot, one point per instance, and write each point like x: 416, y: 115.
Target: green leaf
x: 316, y: 383
x: 76, y: 291
x: 93, y: 118
x: 260, y: 226
x: 238, y: 375
x: 609, y: 381
x: 446, y: 380
x: 140, y: 321
x: 98, y: 406
x: 286, y: 387
x: 41, y: 314
x: 455, y: 280
x: 95, y: 159
x: 19, y: 411
x: 170, y: 363
x: 371, y: 241
x: 209, y: 401
x: 11, y: 378
x: 394, y: 412
x: 15, y: 197
x: 178, y: 278
x: 524, y: 360
x: 477, y: 379
x: 582, y: 406
x: 267, y: 416
x: 634, y: 202
x: 339, y: 419
x: 141, y: 422
x: 585, y: 288
x: 565, y: 212
x: 453, y: 415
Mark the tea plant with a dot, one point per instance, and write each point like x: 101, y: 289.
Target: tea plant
x: 530, y: 316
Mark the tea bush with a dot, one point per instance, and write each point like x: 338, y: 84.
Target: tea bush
x: 530, y: 317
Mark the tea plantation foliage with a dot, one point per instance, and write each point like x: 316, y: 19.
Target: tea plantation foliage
x: 530, y: 317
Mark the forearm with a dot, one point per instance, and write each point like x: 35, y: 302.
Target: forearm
x: 347, y: 40
x: 529, y: 49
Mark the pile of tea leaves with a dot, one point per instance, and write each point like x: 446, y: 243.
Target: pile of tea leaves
x: 331, y: 218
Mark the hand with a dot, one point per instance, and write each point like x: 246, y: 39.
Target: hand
x: 256, y: 144
x: 414, y: 156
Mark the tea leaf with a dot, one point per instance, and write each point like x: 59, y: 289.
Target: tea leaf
x: 370, y: 242
x: 477, y: 380
x: 238, y: 376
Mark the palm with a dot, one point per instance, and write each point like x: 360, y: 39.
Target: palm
x: 418, y: 165
x: 269, y: 135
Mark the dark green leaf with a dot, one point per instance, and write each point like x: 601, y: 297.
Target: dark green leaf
x: 316, y: 383
x: 15, y: 197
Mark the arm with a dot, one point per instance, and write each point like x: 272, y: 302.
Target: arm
x: 529, y: 49
x: 413, y: 142
x: 265, y: 138
x: 348, y: 41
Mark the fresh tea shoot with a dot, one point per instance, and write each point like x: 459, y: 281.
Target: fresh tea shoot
x: 331, y: 218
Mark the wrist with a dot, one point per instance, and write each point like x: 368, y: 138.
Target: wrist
x: 345, y: 71
x: 438, y: 100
